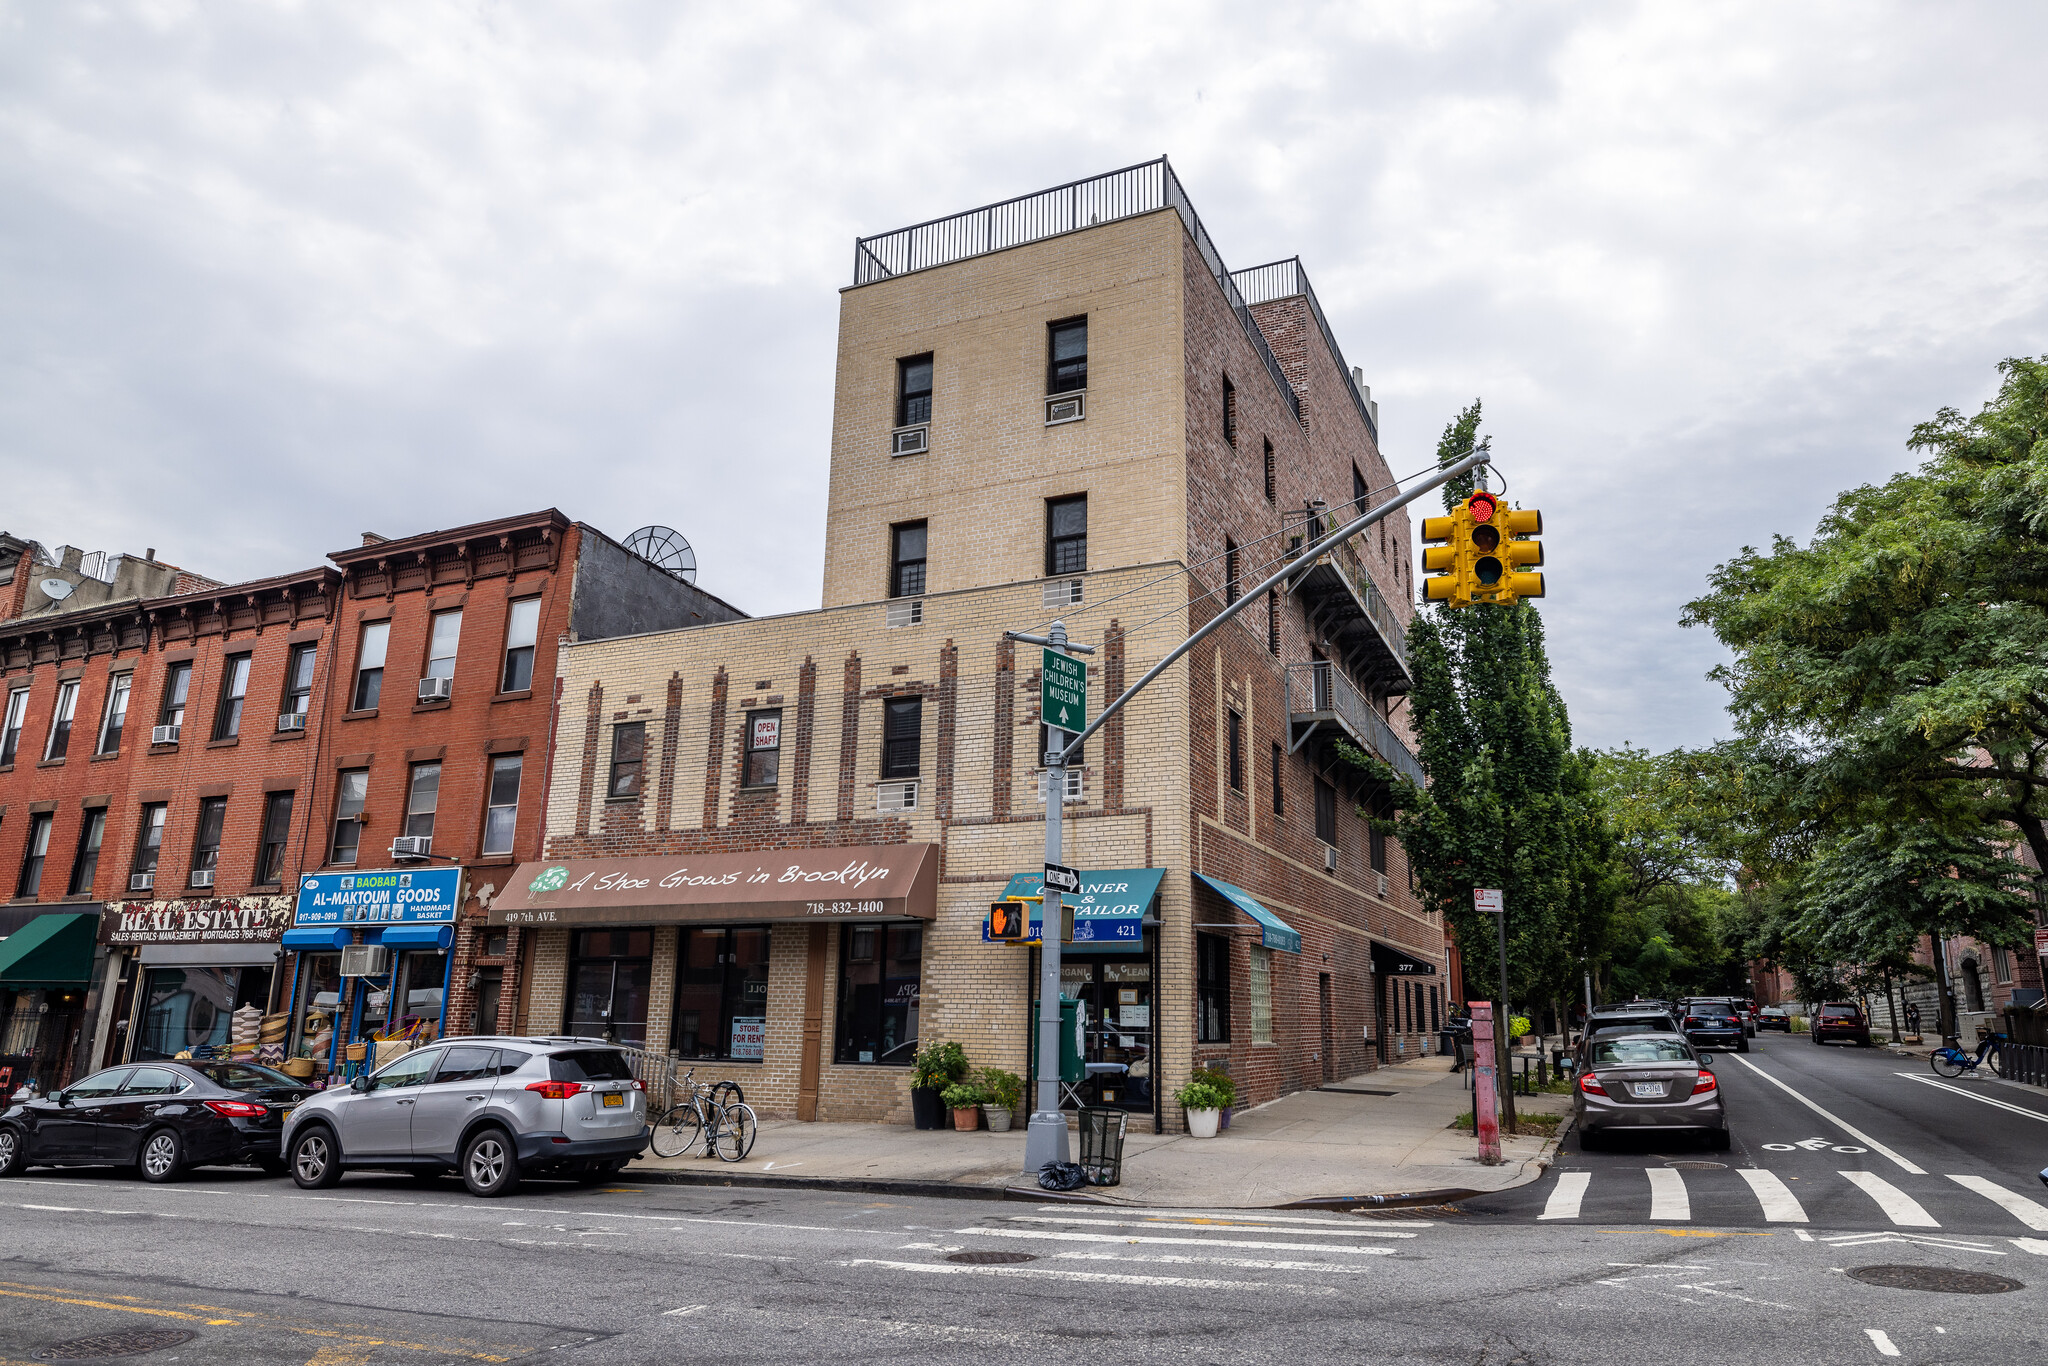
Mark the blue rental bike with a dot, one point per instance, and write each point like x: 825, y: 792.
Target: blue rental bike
x: 1951, y: 1061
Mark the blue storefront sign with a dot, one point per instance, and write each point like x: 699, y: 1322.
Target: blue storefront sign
x: 1109, y: 910
x: 392, y: 896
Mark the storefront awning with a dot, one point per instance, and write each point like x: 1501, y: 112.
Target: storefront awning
x: 868, y: 882
x: 1399, y: 962
x: 1274, y: 933
x: 440, y: 937
x: 50, y: 951
x: 1109, y: 910
x: 326, y: 937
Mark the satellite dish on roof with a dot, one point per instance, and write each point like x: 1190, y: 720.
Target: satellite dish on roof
x: 56, y: 590
x: 665, y: 549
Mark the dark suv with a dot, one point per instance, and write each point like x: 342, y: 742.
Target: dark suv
x: 1714, y: 1024
x: 1841, y: 1020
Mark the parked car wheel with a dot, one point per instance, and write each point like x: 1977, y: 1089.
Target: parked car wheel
x: 490, y: 1166
x: 162, y: 1156
x: 315, y: 1159
x: 1742, y: 1044
x: 13, y: 1153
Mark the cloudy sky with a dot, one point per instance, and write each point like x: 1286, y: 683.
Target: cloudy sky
x: 275, y: 274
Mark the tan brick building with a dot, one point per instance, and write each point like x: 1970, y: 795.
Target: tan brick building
x: 1059, y: 407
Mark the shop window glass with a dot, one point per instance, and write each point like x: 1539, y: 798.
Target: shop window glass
x: 1261, y: 983
x: 184, y: 1008
x: 408, y: 1002
x: 608, y: 975
x: 879, y: 971
x: 722, y: 993
x: 319, y: 999
x: 501, y: 818
x: 1212, y: 989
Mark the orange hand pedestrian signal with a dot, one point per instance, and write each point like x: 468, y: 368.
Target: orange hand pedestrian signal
x: 1009, y: 920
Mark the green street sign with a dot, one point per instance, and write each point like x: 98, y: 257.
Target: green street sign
x: 1063, y: 695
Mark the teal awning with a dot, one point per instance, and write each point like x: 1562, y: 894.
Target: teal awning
x: 1274, y: 933
x: 50, y: 951
x: 1109, y: 910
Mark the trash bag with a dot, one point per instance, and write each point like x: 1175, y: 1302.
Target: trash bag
x: 1062, y: 1176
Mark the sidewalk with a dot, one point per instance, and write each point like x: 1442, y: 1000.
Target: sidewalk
x: 1382, y: 1133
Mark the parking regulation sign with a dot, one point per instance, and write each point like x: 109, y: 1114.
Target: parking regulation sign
x: 1063, y: 693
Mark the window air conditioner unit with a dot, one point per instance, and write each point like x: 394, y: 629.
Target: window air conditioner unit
x: 163, y: 735
x: 899, y: 796
x: 1063, y: 593
x: 291, y: 720
x: 412, y: 846
x: 141, y: 882
x: 910, y: 441
x: 436, y: 689
x: 202, y: 877
x: 365, y: 960
x: 904, y: 612
x: 1329, y: 859
x: 1383, y: 884
x: 1077, y: 785
x: 1065, y: 408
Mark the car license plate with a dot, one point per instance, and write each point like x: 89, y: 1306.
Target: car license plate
x: 1647, y: 1090
x: 613, y: 1100
x: 283, y: 1115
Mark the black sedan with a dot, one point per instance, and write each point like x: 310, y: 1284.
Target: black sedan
x: 1714, y: 1027
x: 1774, y: 1017
x: 158, y: 1118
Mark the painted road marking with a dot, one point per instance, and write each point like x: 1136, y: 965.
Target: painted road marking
x: 1946, y: 1244
x: 1865, y: 1139
x: 1240, y: 1216
x: 1566, y: 1196
x: 1779, y: 1204
x: 2028, y: 1212
x: 1361, y: 1231
x: 1899, y: 1207
x: 1668, y: 1202
x: 1109, y: 1277
x: 1243, y: 1263
x: 1882, y: 1341
x: 1973, y: 1095
x: 2037, y: 1246
x: 1184, y: 1242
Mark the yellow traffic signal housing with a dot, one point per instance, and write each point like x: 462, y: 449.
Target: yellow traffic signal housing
x: 1519, y: 552
x: 1478, y: 553
x: 1009, y: 920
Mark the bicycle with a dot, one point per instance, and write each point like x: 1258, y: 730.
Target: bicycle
x: 726, y: 1129
x: 1951, y: 1061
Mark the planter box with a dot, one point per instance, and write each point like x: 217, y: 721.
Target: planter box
x: 927, y: 1109
x: 1202, y: 1123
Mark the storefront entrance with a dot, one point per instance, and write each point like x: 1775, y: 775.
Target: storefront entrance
x: 1115, y: 994
x: 609, y: 971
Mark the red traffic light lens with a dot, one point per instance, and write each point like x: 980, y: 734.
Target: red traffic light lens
x: 1481, y: 507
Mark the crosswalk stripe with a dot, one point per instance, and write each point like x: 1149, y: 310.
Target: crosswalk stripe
x: 1667, y: 1195
x: 1359, y: 1230
x: 2028, y: 1212
x: 1779, y: 1204
x: 1246, y: 1263
x: 1899, y: 1207
x: 1566, y: 1196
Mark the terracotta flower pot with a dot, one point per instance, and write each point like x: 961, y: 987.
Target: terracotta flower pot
x: 967, y: 1119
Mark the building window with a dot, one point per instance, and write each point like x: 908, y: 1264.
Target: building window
x: 609, y: 971
x: 114, y: 716
x: 442, y: 639
x: 213, y: 818
x: 1261, y: 983
x: 1067, y: 367
x: 1272, y: 475
x: 906, y: 560
x: 149, y: 841
x: 1212, y: 989
x: 879, y: 970
x: 1066, y: 535
x: 277, y: 829
x: 522, y: 629
x: 35, y: 852
x: 370, y: 666
x: 1359, y: 494
x: 764, y: 749
x: 501, y: 816
x: 1273, y: 621
x: 629, y: 759
x: 722, y: 993
x: 1279, y: 785
x: 1076, y: 755
x: 422, y: 797
x: 902, y: 736
x: 1326, y: 812
x: 59, y: 743
x: 298, y: 680
x: 1236, y: 751
x: 351, y: 789
x: 177, y: 684
x: 10, y: 733
x: 914, y: 390
x: 1231, y: 567
x: 1229, y: 412
x: 86, y: 866
x: 2001, y: 965
x: 234, y: 691
x: 1375, y: 838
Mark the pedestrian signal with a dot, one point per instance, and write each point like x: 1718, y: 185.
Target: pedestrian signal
x: 1009, y: 920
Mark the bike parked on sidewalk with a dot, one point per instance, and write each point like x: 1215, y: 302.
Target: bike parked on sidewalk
x: 724, y: 1129
x: 1951, y: 1061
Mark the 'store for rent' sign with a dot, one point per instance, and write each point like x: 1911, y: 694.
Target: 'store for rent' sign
x: 1063, y: 694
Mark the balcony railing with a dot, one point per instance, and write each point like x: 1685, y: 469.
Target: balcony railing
x: 1361, y: 621
x: 1318, y: 693
x: 1073, y: 207
x: 1284, y: 280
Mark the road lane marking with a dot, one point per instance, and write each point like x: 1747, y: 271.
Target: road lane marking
x: 1882, y: 1341
x: 1052, y: 1236
x: 1363, y: 1231
x: 2037, y: 1246
x: 1899, y: 1207
x: 1668, y: 1201
x: 105, y: 1304
x: 2028, y: 1212
x: 1865, y: 1139
x: 1961, y: 1091
x: 1107, y: 1277
x: 1238, y: 1216
x: 1780, y: 1206
x: 1566, y: 1196
x: 1947, y: 1244
x: 1245, y: 1263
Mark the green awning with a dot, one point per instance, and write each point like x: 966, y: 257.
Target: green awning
x: 1274, y: 933
x: 50, y: 951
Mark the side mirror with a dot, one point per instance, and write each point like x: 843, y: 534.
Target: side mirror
x: 1706, y: 1058
x: 363, y: 1085
x: 63, y: 1099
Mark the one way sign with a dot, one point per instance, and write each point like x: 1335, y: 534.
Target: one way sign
x: 1063, y: 692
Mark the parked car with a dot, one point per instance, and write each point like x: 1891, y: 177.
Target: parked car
x: 159, y: 1118
x: 1841, y: 1020
x: 494, y: 1109
x: 1611, y: 1022
x: 1712, y: 1026
x: 1647, y: 1082
x: 1774, y: 1017
x: 1720, y: 1005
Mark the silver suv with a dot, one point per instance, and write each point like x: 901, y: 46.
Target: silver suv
x: 493, y: 1109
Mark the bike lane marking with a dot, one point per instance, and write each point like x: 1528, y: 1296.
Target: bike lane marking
x: 1899, y: 1207
x: 1865, y: 1139
x: 2033, y: 1215
x: 1944, y: 1086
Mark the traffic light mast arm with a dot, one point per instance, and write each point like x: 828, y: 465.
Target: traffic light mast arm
x: 1251, y: 595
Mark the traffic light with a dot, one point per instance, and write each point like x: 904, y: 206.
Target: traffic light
x: 1477, y: 553
x: 1519, y: 552
x: 1009, y: 920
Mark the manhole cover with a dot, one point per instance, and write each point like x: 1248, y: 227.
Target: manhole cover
x: 991, y: 1258
x: 1935, y: 1278
x: 1697, y: 1166
x: 117, y: 1344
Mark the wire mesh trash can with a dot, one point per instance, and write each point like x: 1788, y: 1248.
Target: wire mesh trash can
x: 1102, y: 1145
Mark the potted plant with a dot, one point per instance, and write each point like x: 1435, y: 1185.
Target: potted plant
x: 964, y: 1099
x: 1204, y: 1103
x: 937, y: 1066
x: 1005, y: 1095
x: 1221, y: 1080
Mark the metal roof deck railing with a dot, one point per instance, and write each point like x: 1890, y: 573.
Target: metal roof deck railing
x: 1283, y: 279
x: 1074, y: 207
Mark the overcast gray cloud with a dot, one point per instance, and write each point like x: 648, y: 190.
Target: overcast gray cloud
x: 278, y: 274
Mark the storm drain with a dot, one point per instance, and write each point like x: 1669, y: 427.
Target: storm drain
x: 128, y: 1344
x: 1935, y: 1278
x: 991, y: 1258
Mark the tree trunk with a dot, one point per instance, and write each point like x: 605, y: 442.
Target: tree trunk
x: 1891, y: 1007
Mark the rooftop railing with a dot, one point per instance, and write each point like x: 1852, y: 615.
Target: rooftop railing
x: 1074, y: 207
x: 1283, y: 280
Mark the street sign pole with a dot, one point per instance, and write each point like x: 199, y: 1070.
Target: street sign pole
x: 1491, y: 901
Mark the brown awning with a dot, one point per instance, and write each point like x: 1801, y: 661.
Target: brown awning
x: 782, y: 884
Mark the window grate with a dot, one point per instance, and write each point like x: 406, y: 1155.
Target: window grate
x: 1064, y: 593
